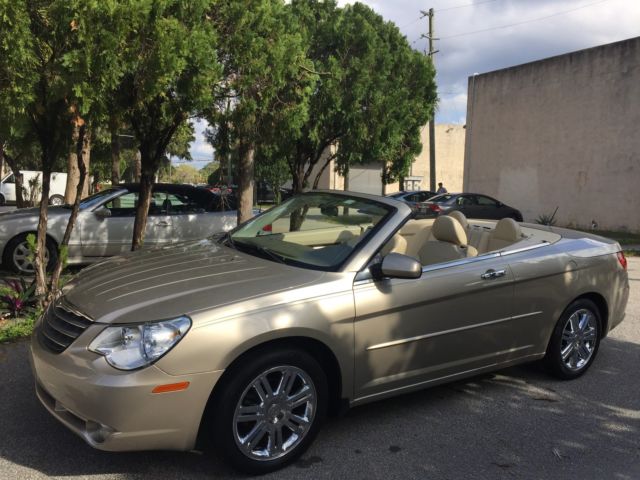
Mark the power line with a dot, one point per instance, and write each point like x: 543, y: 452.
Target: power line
x: 440, y: 10
x: 524, y: 21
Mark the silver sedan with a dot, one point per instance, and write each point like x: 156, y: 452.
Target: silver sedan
x: 105, y: 223
x: 330, y: 300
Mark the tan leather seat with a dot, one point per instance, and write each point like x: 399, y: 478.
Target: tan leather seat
x: 396, y: 244
x: 450, y: 243
x: 476, y: 236
x: 507, y: 232
x: 460, y: 217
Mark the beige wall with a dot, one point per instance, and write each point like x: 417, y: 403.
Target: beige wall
x: 450, y: 143
x: 450, y: 140
x: 561, y: 132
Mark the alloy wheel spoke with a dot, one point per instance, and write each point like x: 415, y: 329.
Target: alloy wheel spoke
x: 566, y: 353
x: 584, y: 352
x: 249, y: 413
x: 255, y: 435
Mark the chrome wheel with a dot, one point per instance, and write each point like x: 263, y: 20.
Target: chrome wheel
x: 579, y: 339
x: 56, y: 200
x: 275, y: 413
x: 22, y: 258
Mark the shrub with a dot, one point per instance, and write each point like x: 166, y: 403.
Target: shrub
x: 18, y: 298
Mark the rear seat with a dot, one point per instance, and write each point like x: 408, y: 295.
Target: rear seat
x: 477, y: 237
x: 450, y: 243
x: 507, y: 232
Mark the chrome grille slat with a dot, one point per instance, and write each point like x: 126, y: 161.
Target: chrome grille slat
x: 60, y: 327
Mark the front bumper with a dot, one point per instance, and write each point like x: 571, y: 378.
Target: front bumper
x: 115, y: 410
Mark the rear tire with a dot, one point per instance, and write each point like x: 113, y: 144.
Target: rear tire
x: 56, y: 200
x: 575, y: 340
x: 3, y: 201
x: 282, y: 395
x: 16, y: 253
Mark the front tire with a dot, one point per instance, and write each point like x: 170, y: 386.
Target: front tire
x: 575, y: 340
x: 269, y: 410
x: 17, y: 254
x: 3, y: 201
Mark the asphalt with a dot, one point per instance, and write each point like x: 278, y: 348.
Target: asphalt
x: 516, y: 423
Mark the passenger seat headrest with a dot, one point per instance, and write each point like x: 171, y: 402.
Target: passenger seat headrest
x: 397, y: 244
x: 459, y: 216
x: 447, y: 229
x: 507, y: 229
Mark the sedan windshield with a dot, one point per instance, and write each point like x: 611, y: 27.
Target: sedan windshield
x: 314, y: 230
x: 95, y: 199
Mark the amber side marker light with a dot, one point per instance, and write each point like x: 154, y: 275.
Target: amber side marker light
x: 171, y: 387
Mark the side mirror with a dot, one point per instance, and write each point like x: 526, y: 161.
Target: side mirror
x: 102, y: 213
x: 329, y: 211
x: 500, y: 204
x: 396, y: 265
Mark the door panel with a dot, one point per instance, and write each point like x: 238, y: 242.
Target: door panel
x: 448, y: 321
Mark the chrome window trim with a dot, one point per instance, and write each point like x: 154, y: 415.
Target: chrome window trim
x: 364, y: 277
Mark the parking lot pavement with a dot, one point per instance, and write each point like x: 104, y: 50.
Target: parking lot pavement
x: 516, y: 423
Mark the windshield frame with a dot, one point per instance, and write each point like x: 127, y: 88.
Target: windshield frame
x: 382, y: 202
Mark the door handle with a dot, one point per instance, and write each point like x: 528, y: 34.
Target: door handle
x: 162, y: 224
x: 491, y: 273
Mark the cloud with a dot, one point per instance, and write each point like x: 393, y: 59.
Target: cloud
x: 592, y: 23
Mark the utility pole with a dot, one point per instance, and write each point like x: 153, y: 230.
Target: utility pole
x: 432, y: 134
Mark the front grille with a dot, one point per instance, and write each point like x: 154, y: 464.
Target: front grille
x: 60, y: 327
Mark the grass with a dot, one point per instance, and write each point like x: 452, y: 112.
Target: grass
x: 16, y: 329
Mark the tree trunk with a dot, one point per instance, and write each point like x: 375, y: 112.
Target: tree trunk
x: 297, y: 179
x: 40, y: 265
x: 115, y: 151
x: 73, y: 173
x: 86, y: 160
x: 245, y: 183
x: 137, y: 167
x: 142, y: 211
x: 60, y: 264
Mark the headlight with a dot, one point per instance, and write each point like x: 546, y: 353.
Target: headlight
x: 129, y: 347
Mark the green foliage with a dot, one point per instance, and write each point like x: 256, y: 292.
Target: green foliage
x: 32, y: 244
x: 17, y: 297
x: 17, y: 329
x: 371, y: 94
x: 547, y: 219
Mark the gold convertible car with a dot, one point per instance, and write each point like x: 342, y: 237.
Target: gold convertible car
x: 249, y: 339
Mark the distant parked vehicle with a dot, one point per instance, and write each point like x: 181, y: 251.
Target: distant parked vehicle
x: 56, y: 188
x: 266, y: 193
x: 105, y: 224
x: 413, y: 199
x: 472, y: 205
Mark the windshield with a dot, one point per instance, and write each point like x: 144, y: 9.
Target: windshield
x: 314, y: 230
x: 95, y: 199
x: 445, y: 197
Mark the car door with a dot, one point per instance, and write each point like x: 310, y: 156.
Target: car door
x: 104, y: 236
x: 456, y: 318
x: 468, y: 205
x: 488, y: 207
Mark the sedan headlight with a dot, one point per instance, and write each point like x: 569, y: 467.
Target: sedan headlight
x: 128, y: 347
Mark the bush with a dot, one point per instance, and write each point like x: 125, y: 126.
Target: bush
x: 18, y: 298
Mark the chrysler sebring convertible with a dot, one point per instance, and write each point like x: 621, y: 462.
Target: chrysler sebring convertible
x: 105, y: 224
x: 246, y: 341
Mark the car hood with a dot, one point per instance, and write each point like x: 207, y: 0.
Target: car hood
x: 172, y: 281
x: 34, y: 212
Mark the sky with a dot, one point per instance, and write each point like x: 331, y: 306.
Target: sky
x: 478, y: 36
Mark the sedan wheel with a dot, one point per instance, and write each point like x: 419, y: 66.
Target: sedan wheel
x: 18, y: 256
x: 575, y: 340
x: 56, y: 200
x: 269, y: 410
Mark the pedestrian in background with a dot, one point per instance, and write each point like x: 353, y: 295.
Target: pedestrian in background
x: 441, y: 189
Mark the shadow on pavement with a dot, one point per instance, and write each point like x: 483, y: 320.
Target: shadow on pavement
x: 516, y: 422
